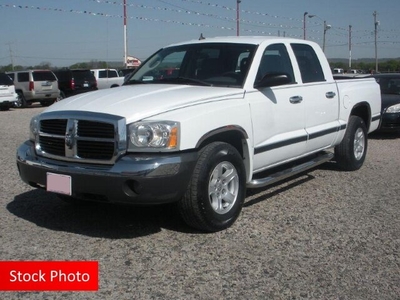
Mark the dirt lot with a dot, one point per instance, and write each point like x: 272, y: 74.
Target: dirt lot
x: 322, y: 235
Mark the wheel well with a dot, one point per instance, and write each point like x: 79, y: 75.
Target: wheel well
x: 232, y: 137
x: 363, y: 111
x: 235, y: 136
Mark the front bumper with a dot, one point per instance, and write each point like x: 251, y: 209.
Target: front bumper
x: 390, y: 122
x: 134, y: 178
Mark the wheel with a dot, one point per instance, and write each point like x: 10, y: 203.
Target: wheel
x: 217, y: 189
x: 350, y: 153
x: 21, y: 101
x: 61, y: 97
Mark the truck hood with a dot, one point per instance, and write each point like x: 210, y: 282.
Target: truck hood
x: 136, y: 102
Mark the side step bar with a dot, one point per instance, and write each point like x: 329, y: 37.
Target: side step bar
x: 283, y: 174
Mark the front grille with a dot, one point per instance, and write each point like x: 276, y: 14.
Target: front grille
x: 53, y: 126
x: 95, y: 150
x: 52, y: 145
x: 95, y: 129
x: 98, y: 138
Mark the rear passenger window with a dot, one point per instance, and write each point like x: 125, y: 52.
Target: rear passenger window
x: 5, y: 79
x: 307, y: 59
x: 103, y: 74
x: 23, y: 77
x: 112, y: 74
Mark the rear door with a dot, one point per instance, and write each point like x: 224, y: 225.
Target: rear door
x: 320, y: 99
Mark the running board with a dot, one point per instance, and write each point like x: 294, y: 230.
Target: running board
x: 283, y: 174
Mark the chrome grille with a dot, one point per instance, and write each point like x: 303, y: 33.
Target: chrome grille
x: 82, y: 137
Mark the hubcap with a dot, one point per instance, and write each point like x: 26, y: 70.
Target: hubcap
x: 359, y: 144
x: 223, y: 187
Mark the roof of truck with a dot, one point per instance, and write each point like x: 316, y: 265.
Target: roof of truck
x: 256, y: 40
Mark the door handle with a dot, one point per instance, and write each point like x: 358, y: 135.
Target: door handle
x: 330, y: 95
x: 295, y: 99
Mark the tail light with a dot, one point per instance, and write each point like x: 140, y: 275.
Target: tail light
x: 95, y: 83
x: 31, y: 85
x: 72, y: 84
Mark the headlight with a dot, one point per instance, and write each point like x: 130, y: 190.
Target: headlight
x: 153, y: 136
x: 33, y: 128
x: 393, y: 109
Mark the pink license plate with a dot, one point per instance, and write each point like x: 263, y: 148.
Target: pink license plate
x: 57, y: 183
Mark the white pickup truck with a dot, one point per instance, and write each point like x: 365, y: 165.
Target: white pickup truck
x: 198, y: 123
x: 107, y: 78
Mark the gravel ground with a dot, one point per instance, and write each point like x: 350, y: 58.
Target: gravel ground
x: 325, y: 234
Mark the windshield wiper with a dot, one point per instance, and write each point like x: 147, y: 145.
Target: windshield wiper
x: 184, y: 80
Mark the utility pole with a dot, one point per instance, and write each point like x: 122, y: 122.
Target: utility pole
x: 125, y: 39
x: 376, y: 23
x: 11, y: 56
x: 237, y: 16
x: 350, y: 46
x: 326, y: 27
x: 304, y: 24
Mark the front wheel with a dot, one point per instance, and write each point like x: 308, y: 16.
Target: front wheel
x: 216, y: 192
x: 351, y: 152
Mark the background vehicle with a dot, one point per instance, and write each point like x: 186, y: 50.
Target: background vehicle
x: 73, y: 82
x: 107, y: 78
x: 35, y: 86
x: 198, y: 123
x: 125, y: 72
x: 338, y: 71
x: 390, y: 90
x: 8, y: 96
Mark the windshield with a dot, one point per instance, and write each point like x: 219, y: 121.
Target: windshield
x: 209, y: 64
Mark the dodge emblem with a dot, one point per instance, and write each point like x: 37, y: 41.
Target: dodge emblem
x: 69, y: 140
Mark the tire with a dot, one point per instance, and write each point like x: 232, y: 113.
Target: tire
x: 351, y: 152
x: 61, y: 97
x: 21, y: 101
x: 217, y: 189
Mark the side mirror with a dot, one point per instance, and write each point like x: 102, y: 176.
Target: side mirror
x: 271, y: 80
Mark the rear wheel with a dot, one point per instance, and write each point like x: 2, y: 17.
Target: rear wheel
x: 21, y: 101
x: 61, y: 97
x: 216, y: 192
x: 351, y: 152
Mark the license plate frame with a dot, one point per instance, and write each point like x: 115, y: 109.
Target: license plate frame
x: 59, y: 183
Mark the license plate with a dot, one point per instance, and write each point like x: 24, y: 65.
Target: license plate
x: 58, y: 183
x: 86, y: 84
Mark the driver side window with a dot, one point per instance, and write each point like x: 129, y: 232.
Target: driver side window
x: 275, y: 60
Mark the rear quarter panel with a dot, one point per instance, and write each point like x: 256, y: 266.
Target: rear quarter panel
x: 355, y: 91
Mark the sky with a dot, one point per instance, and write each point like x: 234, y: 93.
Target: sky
x: 65, y: 32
